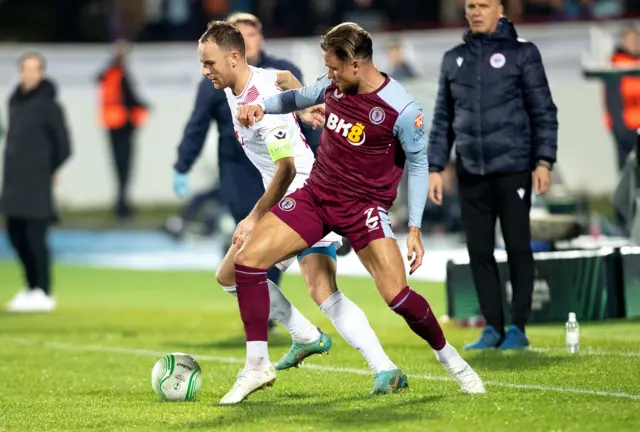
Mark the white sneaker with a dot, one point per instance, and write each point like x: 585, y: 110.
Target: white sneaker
x: 35, y: 300
x: 41, y: 302
x: 18, y: 300
x: 249, y: 381
x: 466, y: 377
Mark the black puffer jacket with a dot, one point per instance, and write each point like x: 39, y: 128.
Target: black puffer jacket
x: 37, y: 145
x: 495, y: 105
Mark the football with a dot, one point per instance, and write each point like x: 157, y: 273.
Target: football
x: 176, y: 377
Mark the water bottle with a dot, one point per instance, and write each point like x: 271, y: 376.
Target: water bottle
x: 573, y: 334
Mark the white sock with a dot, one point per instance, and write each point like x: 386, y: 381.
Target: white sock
x: 448, y: 355
x: 257, y: 355
x: 352, y: 324
x: 231, y: 290
x: 282, y: 311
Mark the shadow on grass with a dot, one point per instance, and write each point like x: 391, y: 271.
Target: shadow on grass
x: 497, y: 360
x: 336, y: 413
x: 280, y: 339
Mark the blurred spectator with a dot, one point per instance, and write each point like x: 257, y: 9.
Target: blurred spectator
x: 122, y: 112
x: 400, y: 69
x: 127, y: 18
x: 167, y: 20
x: 622, y: 92
x: 37, y: 145
x: 215, y: 9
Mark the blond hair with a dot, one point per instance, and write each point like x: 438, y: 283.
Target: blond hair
x: 348, y: 41
x: 245, y: 18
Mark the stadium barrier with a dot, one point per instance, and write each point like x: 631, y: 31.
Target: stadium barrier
x: 595, y: 284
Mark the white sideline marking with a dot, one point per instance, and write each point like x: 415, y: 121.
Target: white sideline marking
x: 236, y: 360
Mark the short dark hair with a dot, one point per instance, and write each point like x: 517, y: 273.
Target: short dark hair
x: 245, y: 18
x: 225, y: 35
x: 348, y: 41
x: 33, y: 55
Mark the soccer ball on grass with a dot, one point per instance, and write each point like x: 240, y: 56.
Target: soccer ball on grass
x: 176, y: 377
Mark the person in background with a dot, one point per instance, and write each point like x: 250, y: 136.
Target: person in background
x: 622, y: 93
x: 121, y: 114
x: 400, y: 67
x: 621, y: 79
x: 495, y: 104
x: 36, y: 147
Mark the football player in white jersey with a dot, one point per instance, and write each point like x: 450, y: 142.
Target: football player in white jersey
x: 277, y: 148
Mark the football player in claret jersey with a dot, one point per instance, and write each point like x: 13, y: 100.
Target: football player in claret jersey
x: 277, y: 148
x: 373, y: 126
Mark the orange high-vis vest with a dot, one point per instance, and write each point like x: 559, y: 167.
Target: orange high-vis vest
x: 114, y: 112
x: 629, y: 92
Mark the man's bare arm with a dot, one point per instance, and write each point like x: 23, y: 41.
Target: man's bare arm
x: 288, y: 81
x: 298, y: 98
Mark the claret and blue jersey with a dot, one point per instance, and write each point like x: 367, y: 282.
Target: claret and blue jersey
x: 366, y: 142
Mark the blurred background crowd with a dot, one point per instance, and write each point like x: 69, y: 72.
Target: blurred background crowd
x: 81, y: 21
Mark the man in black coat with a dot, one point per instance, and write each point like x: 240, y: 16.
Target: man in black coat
x: 495, y: 105
x: 37, y: 145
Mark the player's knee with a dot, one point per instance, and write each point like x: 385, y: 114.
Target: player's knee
x: 390, y: 281
x: 247, y: 258
x: 224, y: 280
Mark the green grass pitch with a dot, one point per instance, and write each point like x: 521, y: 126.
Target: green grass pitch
x: 87, y: 366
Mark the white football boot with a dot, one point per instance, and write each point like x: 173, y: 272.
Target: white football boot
x: 249, y: 380
x: 464, y: 375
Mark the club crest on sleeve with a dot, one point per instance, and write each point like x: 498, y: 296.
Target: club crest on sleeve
x: 287, y: 204
x: 376, y: 115
x: 497, y: 60
x: 280, y: 134
x: 419, y: 121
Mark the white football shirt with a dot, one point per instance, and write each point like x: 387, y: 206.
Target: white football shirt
x: 257, y: 139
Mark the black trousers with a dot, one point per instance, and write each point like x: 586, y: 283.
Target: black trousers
x: 626, y: 142
x: 483, y: 199
x: 29, y: 239
x: 122, y: 152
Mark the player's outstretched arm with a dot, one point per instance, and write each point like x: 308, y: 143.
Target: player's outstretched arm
x: 409, y: 129
x: 285, y: 102
x: 297, y: 99
x: 313, y: 116
x: 286, y: 80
